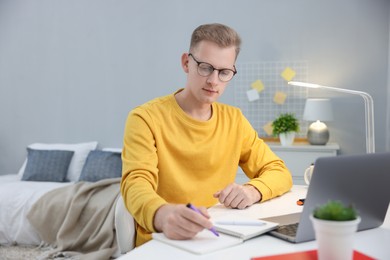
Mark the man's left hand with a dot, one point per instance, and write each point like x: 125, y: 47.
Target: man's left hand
x: 238, y: 196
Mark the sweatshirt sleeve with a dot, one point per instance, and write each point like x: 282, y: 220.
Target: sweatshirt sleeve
x: 139, y: 169
x: 266, y: 171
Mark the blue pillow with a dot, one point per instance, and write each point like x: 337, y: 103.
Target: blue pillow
x: 47, y: 165
x: 101, y: 165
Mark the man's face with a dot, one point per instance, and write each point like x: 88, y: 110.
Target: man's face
x: 207, y: 89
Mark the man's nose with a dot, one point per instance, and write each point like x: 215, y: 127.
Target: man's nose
x: 213, y: 79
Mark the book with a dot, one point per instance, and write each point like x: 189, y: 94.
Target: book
x: 307, y: 255
x: 204, y: 242
x: 243, y: 228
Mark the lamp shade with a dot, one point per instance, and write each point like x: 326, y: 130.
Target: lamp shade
x: 318, y: 109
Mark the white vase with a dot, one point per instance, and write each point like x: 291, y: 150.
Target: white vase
x: 335, y: 238
x: 287, y: 138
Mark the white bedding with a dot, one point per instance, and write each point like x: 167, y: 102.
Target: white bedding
x: 16, y: 199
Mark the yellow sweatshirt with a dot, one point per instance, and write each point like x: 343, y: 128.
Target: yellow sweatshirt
x: 169, y: 157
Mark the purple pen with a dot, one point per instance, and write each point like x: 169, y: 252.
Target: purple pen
x: 189, y: 205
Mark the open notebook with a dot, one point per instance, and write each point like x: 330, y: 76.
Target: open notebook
x: 243, y: 228
x: 204, y: 242
x: 229, y: 235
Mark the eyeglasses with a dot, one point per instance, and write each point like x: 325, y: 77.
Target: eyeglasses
x: 205, y: 69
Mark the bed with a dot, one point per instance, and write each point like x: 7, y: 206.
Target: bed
x: 16, y: 198
x: 60, y: 183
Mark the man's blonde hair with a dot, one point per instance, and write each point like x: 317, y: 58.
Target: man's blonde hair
x: 220, y: 34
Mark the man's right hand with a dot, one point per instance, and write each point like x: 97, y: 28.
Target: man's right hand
x: 179, y: 222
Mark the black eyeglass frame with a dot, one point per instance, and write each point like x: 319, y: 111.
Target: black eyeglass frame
x: 211, y: 66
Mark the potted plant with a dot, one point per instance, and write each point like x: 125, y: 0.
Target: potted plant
x: 334, y: 225
x: 285, y: 126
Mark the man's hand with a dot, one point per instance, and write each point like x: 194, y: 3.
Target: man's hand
x: 238, y: 196
x: 179, y: 222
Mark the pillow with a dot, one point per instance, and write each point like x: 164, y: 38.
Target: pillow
x: 80, y: 150
x: 115, y: 150
x: 101, y: 165
x: 47, y: 165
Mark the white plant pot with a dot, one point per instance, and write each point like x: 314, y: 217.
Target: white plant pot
x: 287, y: 139
x: 335, y: 239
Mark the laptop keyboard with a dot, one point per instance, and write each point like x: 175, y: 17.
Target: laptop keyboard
x: 289, y: 230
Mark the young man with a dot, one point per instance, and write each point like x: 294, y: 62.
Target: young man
x: 186, y: 147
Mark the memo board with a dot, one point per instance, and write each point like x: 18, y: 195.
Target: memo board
x: 263, y: 110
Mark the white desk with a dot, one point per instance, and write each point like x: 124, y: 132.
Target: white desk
x: 374, y: 242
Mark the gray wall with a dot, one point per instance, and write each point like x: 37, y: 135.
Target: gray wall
x: 71, y: 70
x: 388, y: 98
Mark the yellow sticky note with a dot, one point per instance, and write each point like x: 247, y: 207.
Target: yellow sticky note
x: 288, y: 74
x: 258, y: 85
x: 280, y: 97
x: 268, y: 128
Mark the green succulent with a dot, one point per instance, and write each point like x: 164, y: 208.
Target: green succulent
x: 286, y: 122
x: 335, y: 210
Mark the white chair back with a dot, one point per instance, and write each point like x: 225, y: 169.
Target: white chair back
x: 124, y: 226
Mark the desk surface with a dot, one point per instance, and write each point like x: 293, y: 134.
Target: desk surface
x: 374, y: 242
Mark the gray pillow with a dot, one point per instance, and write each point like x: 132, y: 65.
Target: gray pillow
x: 101, y: 165
x: 47, y: 165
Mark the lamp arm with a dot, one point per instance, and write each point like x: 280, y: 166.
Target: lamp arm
x: 368, y: 110
x: 369, y: 115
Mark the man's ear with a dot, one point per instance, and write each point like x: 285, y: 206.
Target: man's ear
x: 184, y: 62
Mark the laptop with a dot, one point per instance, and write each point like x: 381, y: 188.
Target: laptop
x: 361, y: 180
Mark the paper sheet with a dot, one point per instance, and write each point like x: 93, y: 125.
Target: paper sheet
x: 268, y: 128
x: 288, y: 74
x: 258, y: 85
x: 252, y: 95
x: 204, y: 242
x: 280, y: 97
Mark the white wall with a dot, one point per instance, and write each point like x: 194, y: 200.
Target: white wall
x: 71, y: 70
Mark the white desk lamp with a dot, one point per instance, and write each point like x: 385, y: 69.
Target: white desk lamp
x: 318, y: 110
x: 368, y: 109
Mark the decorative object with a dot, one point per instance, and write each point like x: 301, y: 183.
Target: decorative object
x: 308, y: 173
x: 335, y: 225
x: 368, y: 109
x: 101, y: 165
x: 317, y: 110
x: 285, y: 126
x: 81, y: 151
x: 47, y: 165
